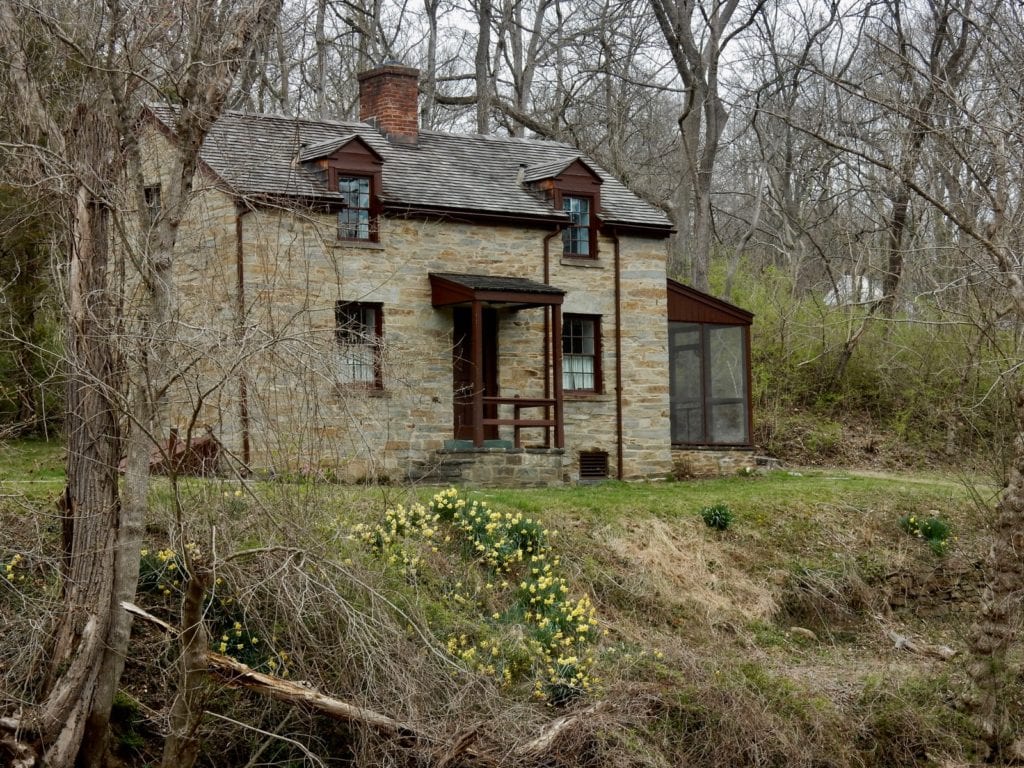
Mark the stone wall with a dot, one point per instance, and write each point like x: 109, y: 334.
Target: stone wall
x: 495, y: 467
x: 701, y: 462
x: 295, y: 270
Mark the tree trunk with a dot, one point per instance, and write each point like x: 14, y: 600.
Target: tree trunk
x: 995, y: 631
x: 484, y: 94
x: 182, y: 745
x: 90, y: 640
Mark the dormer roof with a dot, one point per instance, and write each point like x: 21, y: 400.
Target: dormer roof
x: 553, y: 168
x: 327, y: 148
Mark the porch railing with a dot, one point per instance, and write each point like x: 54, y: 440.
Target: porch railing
x: 518, y: 423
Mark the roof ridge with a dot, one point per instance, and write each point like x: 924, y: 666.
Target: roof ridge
x: 270, y: 116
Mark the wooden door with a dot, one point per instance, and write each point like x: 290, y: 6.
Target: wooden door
x: 462, y: 370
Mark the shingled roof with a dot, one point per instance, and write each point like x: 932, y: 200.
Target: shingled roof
x: 266, y: 154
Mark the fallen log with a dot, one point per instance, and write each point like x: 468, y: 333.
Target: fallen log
x: 236, y: 674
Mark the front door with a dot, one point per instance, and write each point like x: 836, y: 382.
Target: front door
x: 462, y: 370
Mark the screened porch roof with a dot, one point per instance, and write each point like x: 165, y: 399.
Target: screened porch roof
x: 688, y: 305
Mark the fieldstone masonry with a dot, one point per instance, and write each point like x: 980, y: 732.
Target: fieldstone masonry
x: 273, y: 332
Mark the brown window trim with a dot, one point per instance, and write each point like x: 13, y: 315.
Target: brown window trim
x: 592, y: 223
x: 345, y: 314
x: 598, y: 388
x: 336, y: 175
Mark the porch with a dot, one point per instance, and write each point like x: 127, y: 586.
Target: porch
x: 482, y: 415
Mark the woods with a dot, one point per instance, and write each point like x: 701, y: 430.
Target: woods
x: 848, y: 171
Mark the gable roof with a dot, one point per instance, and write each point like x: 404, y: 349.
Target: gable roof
x: 553, y: 168
x: 266, y: 154
x: 688, y: 305
x: 325, y: 148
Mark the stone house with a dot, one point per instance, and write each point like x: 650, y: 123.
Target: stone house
x: 379, y: 301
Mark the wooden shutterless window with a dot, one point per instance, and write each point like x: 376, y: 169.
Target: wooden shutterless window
x: 578, y: 238
x: 581, y: 353
x: 359, y: 330
x: 356, y: 221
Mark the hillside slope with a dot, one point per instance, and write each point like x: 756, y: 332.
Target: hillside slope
x: 816, y: 630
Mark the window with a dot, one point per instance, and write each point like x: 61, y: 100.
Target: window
x: 581, y: 353
x: 355, y: 221
x: 576, y: 238
x: 359, y: 331
x: 708, y: 384
x: 152, y: 198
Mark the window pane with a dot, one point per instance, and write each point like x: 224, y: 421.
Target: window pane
x: 728, y: 423
x: 686, y: 383
x: 578, y: 372
x: 728, y: 363
x: 576, y: 236
x: 356, y: 364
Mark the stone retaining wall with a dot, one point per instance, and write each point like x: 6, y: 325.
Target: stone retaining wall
x: 687, y: 463
x: 494, y: 467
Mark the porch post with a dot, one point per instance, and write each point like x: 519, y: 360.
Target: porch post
x: 556, y: 372
x: 478, y: 373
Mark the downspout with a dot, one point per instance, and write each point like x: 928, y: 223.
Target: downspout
x: 618, y: 355
x: 243, y: 384
x: 547, y: 329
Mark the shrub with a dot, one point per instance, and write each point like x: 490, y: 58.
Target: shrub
x: 717, y: 516
x: 934, y: 530
x: 163, y: 572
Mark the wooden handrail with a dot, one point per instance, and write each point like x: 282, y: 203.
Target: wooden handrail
x: 517, y: 422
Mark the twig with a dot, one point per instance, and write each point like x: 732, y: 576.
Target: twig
x: 305, y: 750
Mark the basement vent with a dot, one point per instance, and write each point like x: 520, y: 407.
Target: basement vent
x: 593, y: 465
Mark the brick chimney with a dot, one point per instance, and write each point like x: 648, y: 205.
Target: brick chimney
x: 389, y: 96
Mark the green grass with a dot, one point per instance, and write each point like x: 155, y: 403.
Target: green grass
x: 700, y: 621
x: 28, y: 460
x: 33, y: 469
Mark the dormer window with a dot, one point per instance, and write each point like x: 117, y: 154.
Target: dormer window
x: 574, y: 188
x: 355, y: 220
x: 576, y: 238
x: 351, y: 169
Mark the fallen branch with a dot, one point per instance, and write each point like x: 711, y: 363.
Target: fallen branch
x: 542, y: 744
x: 236, y: 674
x: 904, y: 643
x: 134, y: 610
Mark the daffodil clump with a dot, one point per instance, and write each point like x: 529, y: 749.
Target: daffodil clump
x: 162, y: 571
x: 517, y: 584
x: 234, y: 503
x: 386, y: 538
x: 240, y: 643
x: 13, y: 568
x: 934, y: 530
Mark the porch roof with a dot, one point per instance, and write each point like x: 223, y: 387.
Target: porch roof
x: 449, y: 289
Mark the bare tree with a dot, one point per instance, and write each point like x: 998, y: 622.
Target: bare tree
x: 93, y: 142
x: 697, y: 34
